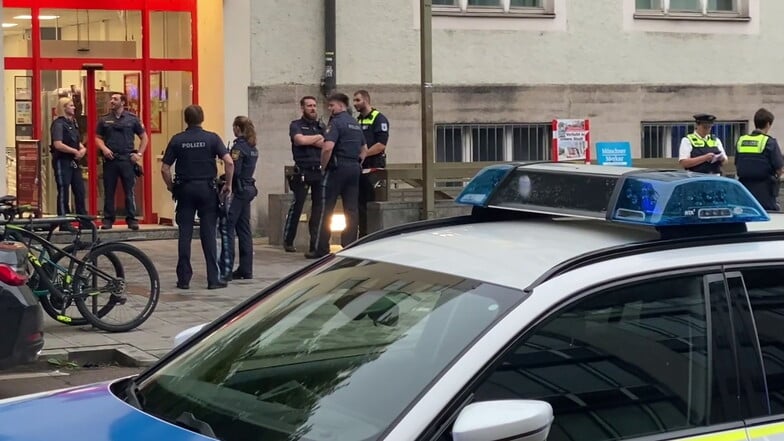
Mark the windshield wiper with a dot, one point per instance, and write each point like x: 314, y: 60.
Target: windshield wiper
x: 132, y: 394
x: 190, y: 422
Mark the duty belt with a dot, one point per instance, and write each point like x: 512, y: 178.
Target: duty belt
x: 301, y: 168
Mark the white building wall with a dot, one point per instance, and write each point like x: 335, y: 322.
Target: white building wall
x: 588, y: 42
x: 237, y: 60
x: 593, y: 59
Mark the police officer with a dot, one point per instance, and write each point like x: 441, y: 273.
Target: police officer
x: 194, y: 152
x: 115, y: 140
x: 375, y: 127
x: 307, y: 137
x: 245, y: 155
x: 342, y: 153
x: 67, y: 150
x: 701, y: 151
x: 759, y: 162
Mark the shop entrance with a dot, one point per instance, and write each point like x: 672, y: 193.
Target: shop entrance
x: 90, y: 89
x: 144, y: 49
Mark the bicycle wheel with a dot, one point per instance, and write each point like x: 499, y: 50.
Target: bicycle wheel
x: 59, y: 304
x: 56, y: 276
x: 119, y: 287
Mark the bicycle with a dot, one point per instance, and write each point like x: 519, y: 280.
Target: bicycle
x: 59, y: 286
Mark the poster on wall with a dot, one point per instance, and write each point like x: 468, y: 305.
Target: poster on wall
x: 131, y: 82
x: 614, y: 153
x: 28, y: 172
x: 571, y: 140
x: 24, y: 112
x: 23, y: 88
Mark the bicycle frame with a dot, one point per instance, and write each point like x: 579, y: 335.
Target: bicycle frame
x: 30, y: 237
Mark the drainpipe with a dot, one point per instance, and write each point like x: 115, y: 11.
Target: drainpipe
x: 329, y: 80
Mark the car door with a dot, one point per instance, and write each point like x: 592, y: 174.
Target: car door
x: 651, y: 358
x: 758, y: 293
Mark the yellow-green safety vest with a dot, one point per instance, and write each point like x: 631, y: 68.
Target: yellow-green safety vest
x: 752, y: 144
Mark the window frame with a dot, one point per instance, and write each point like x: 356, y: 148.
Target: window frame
x: 746, y: 313
x: 460, y: 8
x: 670, y: 151
x: 741, y: 12
x: 466, y: 131
x: 709, y: 273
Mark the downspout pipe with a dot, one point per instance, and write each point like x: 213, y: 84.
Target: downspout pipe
x: 329, y: 81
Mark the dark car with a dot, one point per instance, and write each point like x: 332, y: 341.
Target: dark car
x: 21, y: 319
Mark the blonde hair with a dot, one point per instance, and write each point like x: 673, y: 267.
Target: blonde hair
x: 247, y: 129
x: 61, y: 103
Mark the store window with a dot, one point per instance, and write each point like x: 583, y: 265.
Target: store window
x: 16, y: 32
x: 91, y: 33
x: 170, y: 35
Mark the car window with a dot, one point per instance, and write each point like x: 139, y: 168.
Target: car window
x: 336, y: 354
x: 765, y: 287
x: 623, y: 363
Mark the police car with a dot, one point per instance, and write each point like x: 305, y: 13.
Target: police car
x: 574, y: 303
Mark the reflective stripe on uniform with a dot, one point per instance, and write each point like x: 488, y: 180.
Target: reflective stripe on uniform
x: 696, y: 141
x: 370, y: 119
x: 752, y: 144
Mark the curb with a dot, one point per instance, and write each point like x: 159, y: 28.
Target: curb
x: 124, y: 355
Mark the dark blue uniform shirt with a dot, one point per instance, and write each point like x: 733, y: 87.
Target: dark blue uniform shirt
x: 305, y: 155
x: 760, y: 167
x: 378, y: 132
x: 194, y: 151
x: 245, y: 157
x: 117, y: 133
x: 347, y: 135
x: 66, y: 131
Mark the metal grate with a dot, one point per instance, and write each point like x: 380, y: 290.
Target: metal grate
x: 663, y: 139
x: 493, y: 142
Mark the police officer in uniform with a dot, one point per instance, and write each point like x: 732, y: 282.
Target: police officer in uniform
x: 245, y: 155
x: 307, y: 137
x: 759, y: 162
x: 375, y: 127
x: 194, y: 188
x: 701, y: 151
x: 342, y: 153
x: 67, y: 150
x: 114, y: 137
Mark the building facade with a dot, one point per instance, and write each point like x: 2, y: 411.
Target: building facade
x: 156, y: 52
x: 502, y: 70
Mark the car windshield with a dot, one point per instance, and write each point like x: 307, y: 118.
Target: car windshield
x: 337, y: 354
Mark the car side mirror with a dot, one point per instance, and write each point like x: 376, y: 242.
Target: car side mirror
x: 186, y: 334
x: 520, y: 420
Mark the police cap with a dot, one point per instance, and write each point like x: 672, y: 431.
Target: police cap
x: 704, y: 117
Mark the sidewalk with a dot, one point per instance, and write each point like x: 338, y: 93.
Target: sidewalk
x: 177, y: 310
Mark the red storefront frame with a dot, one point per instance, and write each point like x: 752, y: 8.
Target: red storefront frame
x: 145, y: 65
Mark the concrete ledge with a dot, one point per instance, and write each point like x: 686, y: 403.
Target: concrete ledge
x: 122, y: 355
x: 121, y: 232
x: 382, y: 215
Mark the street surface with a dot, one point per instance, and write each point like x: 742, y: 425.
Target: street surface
x: 177, y: 310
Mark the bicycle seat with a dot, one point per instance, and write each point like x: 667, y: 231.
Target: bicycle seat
x: 7, y: 198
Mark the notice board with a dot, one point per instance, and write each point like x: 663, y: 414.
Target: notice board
x: 28, y: 172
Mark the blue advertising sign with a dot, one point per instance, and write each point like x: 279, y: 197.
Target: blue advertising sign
x: 614, y: 153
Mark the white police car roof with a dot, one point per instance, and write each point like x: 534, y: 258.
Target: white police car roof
x: 516, y: 253
x: 509, y: 253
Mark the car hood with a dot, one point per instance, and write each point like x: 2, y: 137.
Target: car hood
x: 91, y: 413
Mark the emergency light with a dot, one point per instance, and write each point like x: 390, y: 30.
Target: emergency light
x: 656, y: 198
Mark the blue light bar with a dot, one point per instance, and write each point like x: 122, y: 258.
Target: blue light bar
x: 616, y: 194
x: 663, y: 199
x: 483, y: 185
